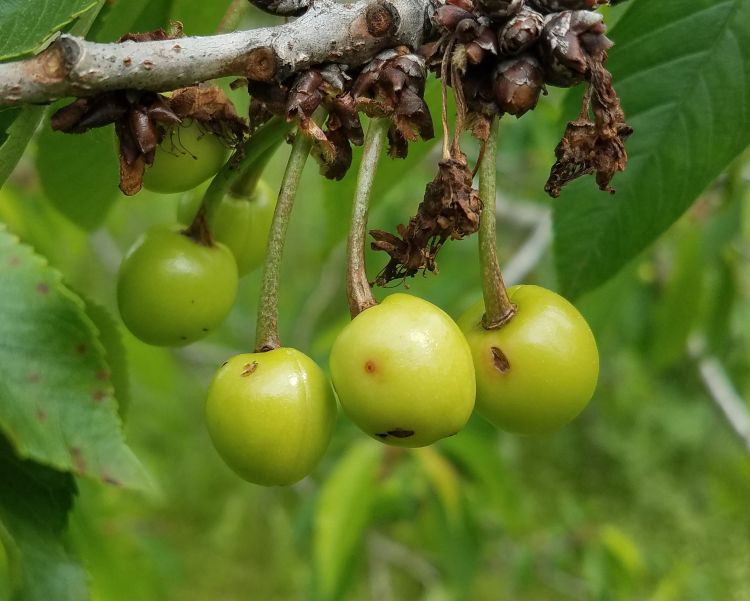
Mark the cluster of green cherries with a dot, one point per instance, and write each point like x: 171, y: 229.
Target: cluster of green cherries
x: 403, y: 371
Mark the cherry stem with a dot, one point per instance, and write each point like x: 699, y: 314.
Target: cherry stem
x: 358, y: 289
x: 267, y: 329
x: 245, y: 183
x: 247, y: 162
x: 497, y: 306
x: 198, y: 230
x: 232, y: 16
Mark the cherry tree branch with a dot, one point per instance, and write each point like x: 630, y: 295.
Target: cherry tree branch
x: 349, y: 34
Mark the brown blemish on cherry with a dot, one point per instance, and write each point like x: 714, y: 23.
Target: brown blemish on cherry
x: 42, y: 288
x: 33, y: 378
x: 14, y: 261
x: 102, y: 375
x: 499, y: 360
x: 41, y: 415
x: 249, y: 368
x: 110, y: 480
x: 396, y: 433
x: 370, y: 366
x: 80, y: 348
x: 99, y: 395
x: 400, y: 433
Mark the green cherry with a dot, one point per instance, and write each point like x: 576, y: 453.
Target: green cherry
x: 187, y: 156
x: 172, y: 290
x: 271, y: 415
x: 240, y: 223
x: 403, y: 372
x: 539, y: 370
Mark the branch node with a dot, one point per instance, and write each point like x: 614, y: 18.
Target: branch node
x: 260, y: 64
x: 382, y: 19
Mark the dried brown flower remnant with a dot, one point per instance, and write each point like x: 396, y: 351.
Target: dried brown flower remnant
x: 518, y: 82
x: 593, y: 147
x: 553, y: 6
x: 500, y: 9
x: 142, y: 119
x: 298, y: 98
x: 392, y: 85
x: 574, y: 48
x: 139, y: 118
x: 569, y: 40
x: 210, y: 106
x: 520, y: 32
x: 305, y: 96
x: 450, y: 210
x: 583, y: 151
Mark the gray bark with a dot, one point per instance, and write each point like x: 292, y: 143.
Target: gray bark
x: 349, y: 34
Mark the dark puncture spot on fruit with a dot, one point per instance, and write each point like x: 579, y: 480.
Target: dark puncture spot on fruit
x: 249, y: 368
x: 500, y: 360
x: 399, y: 433
x: 370, y: 367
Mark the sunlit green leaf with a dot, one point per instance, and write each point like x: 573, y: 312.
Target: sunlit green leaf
x: 56, y: 401
x: 25, y: 24
x: 683, y: 71
x: 115, y: 354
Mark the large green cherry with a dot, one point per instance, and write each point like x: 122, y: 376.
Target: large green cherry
x: 403, y: 372
x: 271, y: 415
x: 539, y: 370
x: 187, y: 156
x: 242, y: 223
x: 172, y: 290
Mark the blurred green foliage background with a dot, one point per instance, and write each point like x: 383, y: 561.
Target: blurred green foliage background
x: 644, y: 497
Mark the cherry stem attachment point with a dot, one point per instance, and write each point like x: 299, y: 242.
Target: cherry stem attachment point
x: 198, y: 230
x: 267, y: 330
x: 497, y: 306
x: 358, y: 290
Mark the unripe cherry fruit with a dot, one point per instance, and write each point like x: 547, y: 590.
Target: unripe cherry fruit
x: 271, y: 415
x: 538, y: 371
x: 240, y: 223
x: 172, y: 290
x: 187, y: 156
x: 403, y: 372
